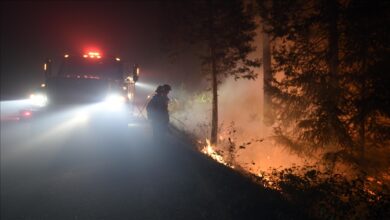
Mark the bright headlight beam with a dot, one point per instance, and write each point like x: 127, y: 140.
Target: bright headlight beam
x: 81, y: 116
x: 146, y: 86
x: 115, y: 99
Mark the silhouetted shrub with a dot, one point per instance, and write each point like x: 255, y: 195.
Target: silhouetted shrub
x: 325, y: 195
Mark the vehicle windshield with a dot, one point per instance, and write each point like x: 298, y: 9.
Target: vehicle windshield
x: 91, y: 68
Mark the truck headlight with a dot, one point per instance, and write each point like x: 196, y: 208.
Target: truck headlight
x: 38, y: 99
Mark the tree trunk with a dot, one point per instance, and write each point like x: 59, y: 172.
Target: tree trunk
x: 267, y: 110
x: 214, y: 122
x: 363, y: 110
x: 333, y: 42
x: 333, y: 63
x: 214, y: 73
x: 362, y: 134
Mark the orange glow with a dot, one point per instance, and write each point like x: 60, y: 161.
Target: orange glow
x: 66, y: 55
x: 45, y: 66
x: 43, y: 85
x: 117, y: 59
x: 267, y: 182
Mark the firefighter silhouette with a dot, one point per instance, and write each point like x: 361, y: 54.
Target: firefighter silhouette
x: 157, y: 111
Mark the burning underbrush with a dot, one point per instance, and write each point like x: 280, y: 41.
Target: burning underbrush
x: 327, y: 195
x: 320, y: 192
x: 210, y: 151
x: 247, y: 146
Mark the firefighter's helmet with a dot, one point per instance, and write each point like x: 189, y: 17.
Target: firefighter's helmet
x: 159, y: 89
x: 167, y: 88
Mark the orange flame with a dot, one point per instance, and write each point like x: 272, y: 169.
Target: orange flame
x: 209, y: 150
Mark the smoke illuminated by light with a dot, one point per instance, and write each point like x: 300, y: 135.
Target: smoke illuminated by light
x: 81, y: 116
x: 146, y: 86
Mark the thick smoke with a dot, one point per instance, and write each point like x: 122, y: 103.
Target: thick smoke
x: 240, y: 118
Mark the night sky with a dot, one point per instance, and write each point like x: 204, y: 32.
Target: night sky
x: 31, y: 32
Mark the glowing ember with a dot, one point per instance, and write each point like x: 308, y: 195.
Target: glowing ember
x: 209, y: 150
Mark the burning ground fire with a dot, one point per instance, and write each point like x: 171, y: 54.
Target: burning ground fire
x: 262, y: 177
x: 209, y: 150
x: 244, y: 140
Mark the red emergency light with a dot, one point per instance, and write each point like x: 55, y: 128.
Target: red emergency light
x: 92, y: 55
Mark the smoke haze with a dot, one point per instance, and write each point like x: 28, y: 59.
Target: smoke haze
x: 240, y: 118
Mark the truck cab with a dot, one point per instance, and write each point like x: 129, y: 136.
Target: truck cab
x: 85, y: 79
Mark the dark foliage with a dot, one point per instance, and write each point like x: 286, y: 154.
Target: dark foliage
x: 323, y: 195
x: 330, y: 76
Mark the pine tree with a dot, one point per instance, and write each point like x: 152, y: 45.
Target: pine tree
x: 329, y: 77
x: 366, y: 74
x: 222, y: 34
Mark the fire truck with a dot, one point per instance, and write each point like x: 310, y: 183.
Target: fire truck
x: 91, y: 77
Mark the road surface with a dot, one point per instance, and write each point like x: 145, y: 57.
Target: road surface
x: 76, y: 169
